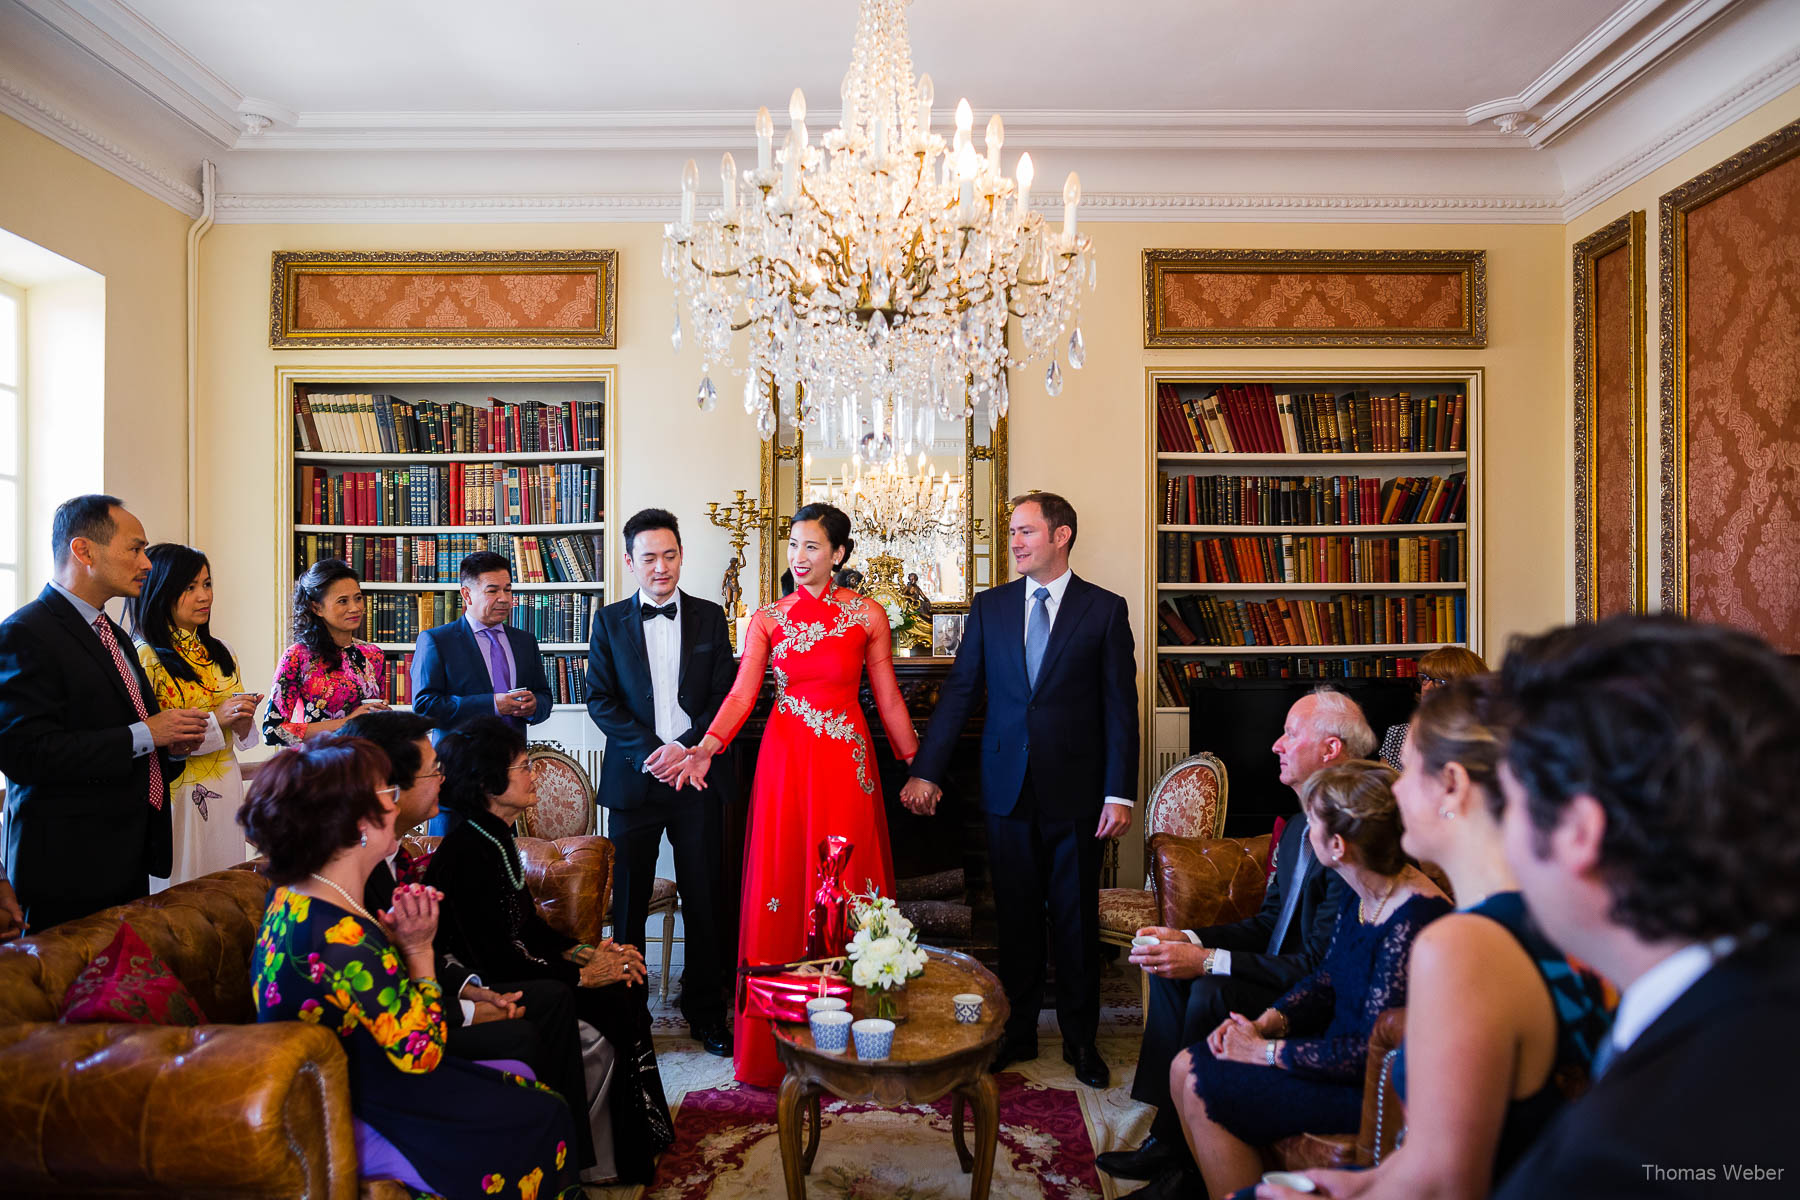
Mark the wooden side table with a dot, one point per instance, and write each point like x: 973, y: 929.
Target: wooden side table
x: 932, y: 1057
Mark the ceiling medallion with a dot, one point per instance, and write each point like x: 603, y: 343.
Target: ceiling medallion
x: 875, y: 270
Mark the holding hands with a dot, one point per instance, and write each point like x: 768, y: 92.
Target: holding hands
x: 694, y: 767
x: 665, y: 763
x: 921, y: 796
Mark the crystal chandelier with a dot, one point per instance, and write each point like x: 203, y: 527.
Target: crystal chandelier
x: 913, y: 515
x: 874, y: 270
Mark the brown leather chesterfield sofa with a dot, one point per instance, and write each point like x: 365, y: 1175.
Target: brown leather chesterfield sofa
x: 1215, y: 881
x: 228, y: 1109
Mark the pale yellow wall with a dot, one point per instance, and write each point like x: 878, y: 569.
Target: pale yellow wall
x: 64, y: 203
x: 1645, y: 194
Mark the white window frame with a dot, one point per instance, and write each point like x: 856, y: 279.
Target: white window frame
x: 11, y: 600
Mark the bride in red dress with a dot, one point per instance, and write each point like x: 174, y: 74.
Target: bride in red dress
x: 815, y: 774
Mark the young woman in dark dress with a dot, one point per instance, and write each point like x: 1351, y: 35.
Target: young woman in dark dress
x: 324, y: 816
x: 494, y: 927
x: 1501, y: 1028
x: 1299, y: 1066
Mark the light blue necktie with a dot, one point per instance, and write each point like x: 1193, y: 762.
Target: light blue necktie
x: 1037, y: 634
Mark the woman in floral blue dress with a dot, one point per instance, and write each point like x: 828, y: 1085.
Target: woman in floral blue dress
x: 324, y: 818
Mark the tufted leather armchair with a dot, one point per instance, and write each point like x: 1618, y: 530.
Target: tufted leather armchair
x: 227, y: 1109
x: 1215, y: 881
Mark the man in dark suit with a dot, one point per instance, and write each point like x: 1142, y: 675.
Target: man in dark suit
x: 1650, y: 819
x: 1059, y: 763
x: 478, y: 665
x: 533, y: 1020
x: 659, y: 666
x: 1198, y: 977
x: 85, y: 750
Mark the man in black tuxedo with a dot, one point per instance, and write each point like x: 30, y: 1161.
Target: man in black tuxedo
x: 533, y: 1020
x: 659, y: 666
x: 478, y: 665
x: 85, y: 750
x: 1650, y: 819
x: 1200, y: 976
x: 1059, y: 764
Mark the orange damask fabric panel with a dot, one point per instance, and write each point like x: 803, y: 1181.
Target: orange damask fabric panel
x: 1614, y: 470
x: 1196, y: 301
x: 523, y: 301
x: 1743, y: 407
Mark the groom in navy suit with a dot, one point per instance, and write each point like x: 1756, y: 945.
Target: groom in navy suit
x: 1059, y: 764
x: 478, y: 665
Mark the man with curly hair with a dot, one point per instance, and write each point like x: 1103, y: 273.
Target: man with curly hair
x: 1652, y: 824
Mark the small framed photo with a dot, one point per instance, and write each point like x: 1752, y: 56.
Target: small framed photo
x: 946, y: 634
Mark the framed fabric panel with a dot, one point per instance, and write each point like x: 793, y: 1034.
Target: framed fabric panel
x: 495, y: 298
x: 1609, y: 420
x: 1335, y: 298
x: 1730, y: 256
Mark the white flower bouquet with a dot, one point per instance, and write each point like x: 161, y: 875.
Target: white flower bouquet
x: 884, y: 952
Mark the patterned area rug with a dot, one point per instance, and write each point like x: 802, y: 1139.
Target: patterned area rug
x: 709, y: 1104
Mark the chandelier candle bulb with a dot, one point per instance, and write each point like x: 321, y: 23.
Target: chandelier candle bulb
x: 797, y: 112
x: 1071, y: 197
x: 690, y: 181
x: 728, y: 177
x: 1025, y: 174
x: 765, y: 139
x: 926, y: 96
x: 996, y: 136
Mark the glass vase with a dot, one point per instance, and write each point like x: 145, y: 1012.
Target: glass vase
x: 890, y: 1002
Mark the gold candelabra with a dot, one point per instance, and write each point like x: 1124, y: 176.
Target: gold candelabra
x: 738, y: 517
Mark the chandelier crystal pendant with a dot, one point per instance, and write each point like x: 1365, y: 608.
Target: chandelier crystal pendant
x: 915, y: 515
x: 874, y: 270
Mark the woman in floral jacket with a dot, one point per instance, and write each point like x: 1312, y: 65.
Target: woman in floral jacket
x: 326, y: 676
x: 324, y: 818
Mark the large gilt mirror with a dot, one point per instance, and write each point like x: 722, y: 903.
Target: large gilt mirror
x: 940, y: 510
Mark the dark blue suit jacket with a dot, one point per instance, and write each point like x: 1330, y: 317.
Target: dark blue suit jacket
x: 450, y: 682
x: 1077, y: 730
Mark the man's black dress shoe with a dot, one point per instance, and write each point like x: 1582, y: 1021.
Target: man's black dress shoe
x: 1148, y: 1161
x: 1180, y: 1183
x: 714, y: 1039
x: 1013, y: 1050
x: 1090, y: 1068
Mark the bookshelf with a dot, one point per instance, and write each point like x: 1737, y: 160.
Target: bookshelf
x: 403, y: 471
x: 1338, y: 536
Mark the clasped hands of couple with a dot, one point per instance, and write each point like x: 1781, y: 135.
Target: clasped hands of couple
x: 411, y: 925
x: 181, y: 730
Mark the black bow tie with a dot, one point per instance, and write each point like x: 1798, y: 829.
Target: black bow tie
x: 647, y: 611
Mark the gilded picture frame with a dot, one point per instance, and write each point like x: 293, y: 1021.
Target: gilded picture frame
x: 504, y: 299
x: 1597, y: 327
x: 1328, y: 298
x: 1675, y: 208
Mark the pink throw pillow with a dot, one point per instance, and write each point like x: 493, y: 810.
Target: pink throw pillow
x: 127, y: 982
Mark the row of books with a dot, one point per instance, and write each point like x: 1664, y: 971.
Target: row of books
x: 567, y: 673
x: 1176, y: 678
x: 361, y: 423
x: 1252, y: 418
x: 1311, y: 499
x: 452, y: 494
x: 547, y: 616
x: 403, y: 616
x: 556, y: 616
x: 1200, y: 619
x: 1301, y: 558
x: 437, y: 557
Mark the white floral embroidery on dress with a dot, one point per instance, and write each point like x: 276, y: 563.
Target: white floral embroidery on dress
x: 774, y: 904
x: 832, y: 725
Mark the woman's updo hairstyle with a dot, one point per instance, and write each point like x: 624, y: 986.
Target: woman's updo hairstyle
x: 1458, y: 723
x: 305, y: 804
x: 1355, y: 801
x: 837, y: 528
x: 475, y: 762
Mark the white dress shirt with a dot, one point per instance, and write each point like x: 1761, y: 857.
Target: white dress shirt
x: 1053, y: 605
x: 1653, y: 992
x: 662, y: 646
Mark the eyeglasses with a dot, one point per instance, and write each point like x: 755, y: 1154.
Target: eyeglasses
x: 427, y: 775
x: 390, y: 796
x: 521, y: 766
x: 1433, y: 680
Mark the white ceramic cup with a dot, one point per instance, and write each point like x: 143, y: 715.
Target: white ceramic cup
x: 1292, y: 1180
x: 874, y: 1038
x: 1142, y: 940
x: 968, y: 1008
x: 819, y: 1004
x: 831, y: 1031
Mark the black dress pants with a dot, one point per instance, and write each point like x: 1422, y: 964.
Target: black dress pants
x: 1044, y: 867
x: 1181, y: 1013
x: 545, y: 1038
x: 692, y: 821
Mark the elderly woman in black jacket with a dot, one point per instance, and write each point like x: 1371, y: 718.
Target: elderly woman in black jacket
x: 494, y: 927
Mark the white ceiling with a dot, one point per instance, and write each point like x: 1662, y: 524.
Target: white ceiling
x: 1475, y: 106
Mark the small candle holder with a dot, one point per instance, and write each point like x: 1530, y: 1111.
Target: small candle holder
x: 738, y: 517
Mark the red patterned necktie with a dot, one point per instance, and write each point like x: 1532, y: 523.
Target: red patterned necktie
x: 103, y: 627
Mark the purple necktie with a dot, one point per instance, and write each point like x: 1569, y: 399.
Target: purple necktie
x: 496, y: 656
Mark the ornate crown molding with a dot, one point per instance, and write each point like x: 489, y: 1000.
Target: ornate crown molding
x: 65, y: 130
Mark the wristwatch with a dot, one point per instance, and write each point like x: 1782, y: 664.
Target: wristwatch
x: 1206, y: 964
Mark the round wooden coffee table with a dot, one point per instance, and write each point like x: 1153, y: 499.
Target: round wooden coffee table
x: 932, y: 1057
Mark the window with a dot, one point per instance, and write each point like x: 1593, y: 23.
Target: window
x: 12, y: 369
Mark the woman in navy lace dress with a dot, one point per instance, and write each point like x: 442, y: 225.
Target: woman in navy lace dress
x: 1298, y: 1068
x: 1501, y: 1027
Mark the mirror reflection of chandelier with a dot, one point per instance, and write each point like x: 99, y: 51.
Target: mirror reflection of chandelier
x: 916, y: 516
x: 874, y: 269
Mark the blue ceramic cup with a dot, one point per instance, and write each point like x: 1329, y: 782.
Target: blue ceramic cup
x: 831, y: 1031
x: 874, y: 1038
x: 968, y: 1007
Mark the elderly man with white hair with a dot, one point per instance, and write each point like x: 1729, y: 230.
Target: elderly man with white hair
x: 1199, y: 976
